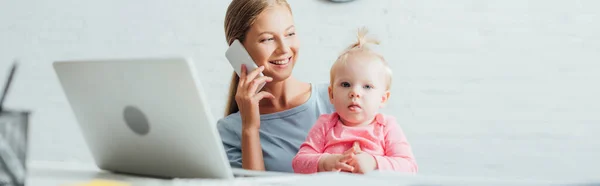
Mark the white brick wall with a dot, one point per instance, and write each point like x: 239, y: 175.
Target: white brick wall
x: 482, y: 88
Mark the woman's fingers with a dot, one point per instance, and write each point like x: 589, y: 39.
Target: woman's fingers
x: 249, y: 82
x: 252, y: 75
x: 258, y: 81
x: 242, y: 80
x: 262, y: 95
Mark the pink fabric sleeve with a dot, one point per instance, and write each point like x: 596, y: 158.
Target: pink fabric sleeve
x: 307, y: 159
x: 398, y: 153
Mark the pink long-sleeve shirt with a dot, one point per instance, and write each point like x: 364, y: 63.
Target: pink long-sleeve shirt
x: 383, y: 139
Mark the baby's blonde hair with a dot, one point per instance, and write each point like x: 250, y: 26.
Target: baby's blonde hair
x: 361, y: 46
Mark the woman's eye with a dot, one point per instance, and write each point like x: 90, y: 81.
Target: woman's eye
x: 292, y: 34
x: 268, y: 39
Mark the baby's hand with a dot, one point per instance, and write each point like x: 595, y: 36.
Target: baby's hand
x: 337, y: 162
x: 362, y: 162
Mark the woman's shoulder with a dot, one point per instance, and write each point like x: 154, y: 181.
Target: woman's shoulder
x: 321, y: 88
x: 229, y: 123
x: 233, y: 122
x: 322, y: 96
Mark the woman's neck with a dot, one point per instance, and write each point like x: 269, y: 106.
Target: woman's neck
x: 288, y: 94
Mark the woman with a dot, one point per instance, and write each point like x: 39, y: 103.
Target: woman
x: 263, y: 131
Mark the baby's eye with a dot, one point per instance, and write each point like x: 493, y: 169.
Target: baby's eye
x: 345, y: 84
x: 368, y: 86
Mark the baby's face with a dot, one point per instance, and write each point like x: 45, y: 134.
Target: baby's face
x: 359, y: 89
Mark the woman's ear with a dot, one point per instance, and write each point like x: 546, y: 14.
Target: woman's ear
x: 385, y: 97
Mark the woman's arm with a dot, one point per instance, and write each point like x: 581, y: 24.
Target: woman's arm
x: 252, y: 157
x: 247, y: 100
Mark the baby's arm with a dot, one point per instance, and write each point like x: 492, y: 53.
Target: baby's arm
x: 311, y: 151
x: 398, y: 153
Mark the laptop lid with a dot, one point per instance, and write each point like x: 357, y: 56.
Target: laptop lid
x: 146, y: 116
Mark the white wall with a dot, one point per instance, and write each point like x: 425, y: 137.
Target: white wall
x: 482, y: 88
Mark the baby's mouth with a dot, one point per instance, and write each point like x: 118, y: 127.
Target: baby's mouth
x: 354, y: 107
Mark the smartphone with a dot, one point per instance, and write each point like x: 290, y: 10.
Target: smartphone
x: 237, y: 55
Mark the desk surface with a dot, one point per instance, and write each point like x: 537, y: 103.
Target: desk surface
x: 65, y: 174
x: 57, y: 173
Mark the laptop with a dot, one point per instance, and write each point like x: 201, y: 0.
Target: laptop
x: 147, y: 116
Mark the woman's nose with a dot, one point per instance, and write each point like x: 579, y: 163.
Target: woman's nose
x: 283, y: 47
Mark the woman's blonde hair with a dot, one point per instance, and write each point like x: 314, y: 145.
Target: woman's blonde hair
x: 240, y: 16
x: 361, y: 46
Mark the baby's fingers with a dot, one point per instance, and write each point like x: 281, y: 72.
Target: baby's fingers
x: 346, y: 158
x: 356, y: 147
x: 344, y: 167
x: 349, y: 151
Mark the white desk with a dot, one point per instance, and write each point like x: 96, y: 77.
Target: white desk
x: 65, y: 174
x: 56, y: 173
